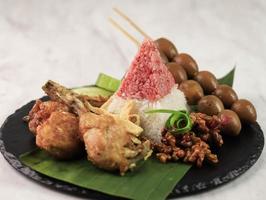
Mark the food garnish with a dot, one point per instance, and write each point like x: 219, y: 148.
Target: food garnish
x: 179, y: 122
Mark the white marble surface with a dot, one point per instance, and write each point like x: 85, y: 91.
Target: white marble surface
x: 72, y: 41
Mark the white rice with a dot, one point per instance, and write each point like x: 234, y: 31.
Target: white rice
x: 152, y: 124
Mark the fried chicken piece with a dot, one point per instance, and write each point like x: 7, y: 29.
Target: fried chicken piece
x: 56, y: 129
x: 58, y: 135
x: 112, y: 141
x: 41, y: 111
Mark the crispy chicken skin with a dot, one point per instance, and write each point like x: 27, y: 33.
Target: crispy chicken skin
x: 96, y: 101
x: 90, y: 120
x: 58, y: 135
x: 41, y: 111
x: 112, y: 140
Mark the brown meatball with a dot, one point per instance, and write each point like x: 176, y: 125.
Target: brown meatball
x: 245, y: 111
x: 210, y: 105
x: 188, y: 63
x: 207, y: 81
x: 227, y: 95
x: 177, y: 71
x: 167, y: 47
x: 192, y: 90
x: 230, y: 123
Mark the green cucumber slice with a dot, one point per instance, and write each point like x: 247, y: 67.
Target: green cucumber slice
x: 107, y: 82
x: 92, y: 91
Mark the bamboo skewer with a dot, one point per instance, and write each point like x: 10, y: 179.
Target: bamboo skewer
x: 116, y: 25
x: 134, y: 25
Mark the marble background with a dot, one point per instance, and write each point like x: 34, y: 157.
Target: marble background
x: 72, y: 41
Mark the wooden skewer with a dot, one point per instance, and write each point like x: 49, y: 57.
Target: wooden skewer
x: 116, y: 25
x: 119, y: 12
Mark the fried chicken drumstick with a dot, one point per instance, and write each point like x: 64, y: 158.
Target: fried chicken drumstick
x: 56, y: 129
x: 112, y: 141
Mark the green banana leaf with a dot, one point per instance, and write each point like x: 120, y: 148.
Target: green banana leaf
x: 228, y: 79
x: 153, y: 180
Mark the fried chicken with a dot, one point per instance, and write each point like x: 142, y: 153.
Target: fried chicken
x: 41, y: 111
x: 58, y: 135
x: 112, y: 141
x: 96, y: 101
x: 56, y: 129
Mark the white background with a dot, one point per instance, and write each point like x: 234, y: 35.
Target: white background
x: 72, y: 41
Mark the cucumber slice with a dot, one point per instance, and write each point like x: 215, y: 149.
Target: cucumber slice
x: 107, y: 82
x: 92, y: 91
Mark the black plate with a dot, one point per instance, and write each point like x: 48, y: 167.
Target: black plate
x: 236, y: 156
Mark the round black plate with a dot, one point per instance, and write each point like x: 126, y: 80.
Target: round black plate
x: 236, y: 156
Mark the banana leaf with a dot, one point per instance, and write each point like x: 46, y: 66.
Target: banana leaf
x: 228, y: 79
x: 153, y: 180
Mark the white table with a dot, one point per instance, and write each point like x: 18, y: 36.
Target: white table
x: 72, y: 41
